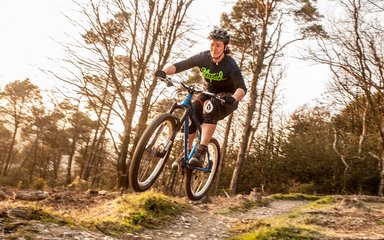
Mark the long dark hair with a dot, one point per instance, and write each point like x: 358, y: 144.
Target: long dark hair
x: 227, y: 50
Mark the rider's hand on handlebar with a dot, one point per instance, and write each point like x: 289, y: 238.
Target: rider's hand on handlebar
x: 227, y: 97
x: 160, y: 74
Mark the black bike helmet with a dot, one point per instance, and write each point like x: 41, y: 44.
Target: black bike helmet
x: 220, y: 34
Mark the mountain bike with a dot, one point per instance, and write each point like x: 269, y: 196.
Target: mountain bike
x: 156, y: 142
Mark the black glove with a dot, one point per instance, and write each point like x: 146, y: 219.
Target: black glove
x: 227, y: 97
x: 160, y: 74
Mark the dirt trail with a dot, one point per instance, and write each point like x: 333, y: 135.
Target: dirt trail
x: 345, y: 217
x: 211, y: 220
x: 349, y: 217
x: 208, y: 221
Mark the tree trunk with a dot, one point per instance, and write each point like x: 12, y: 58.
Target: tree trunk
x: 381, y: 186
x: 10, y: 152
x: 244, y: 140
x: 223, y: 154
x: 33, y: 165
x: 71, y: 155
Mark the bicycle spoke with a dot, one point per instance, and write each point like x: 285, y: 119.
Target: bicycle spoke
x: 150, y: 155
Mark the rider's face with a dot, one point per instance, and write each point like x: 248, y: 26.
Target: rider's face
x: 217, y: 48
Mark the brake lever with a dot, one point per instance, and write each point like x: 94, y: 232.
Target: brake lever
x: 169, y: 83
x: 220, y: 99
x: 167, y: 80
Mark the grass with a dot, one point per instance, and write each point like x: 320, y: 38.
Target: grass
x: 278, y: 233
x: 293, y: 196
x: 379, y: 222
x: 131, y: 212
x: 245, y: 205
x: 291, y: 225
x: 14, y: 215
x: 29, y: 211
x: 124, y: 214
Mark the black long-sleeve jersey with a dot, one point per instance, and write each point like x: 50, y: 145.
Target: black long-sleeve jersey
x: 224, y: 76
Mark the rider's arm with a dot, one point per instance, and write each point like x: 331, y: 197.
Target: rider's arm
x: 238, y: 94
x: 169, y: 70
x: 185, y: 64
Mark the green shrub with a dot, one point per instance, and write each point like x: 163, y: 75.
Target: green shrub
x: 40, y: 184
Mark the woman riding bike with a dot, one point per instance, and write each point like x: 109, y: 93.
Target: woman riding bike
x: 222, y: 76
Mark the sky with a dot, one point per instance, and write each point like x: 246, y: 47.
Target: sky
x: 30, y: 31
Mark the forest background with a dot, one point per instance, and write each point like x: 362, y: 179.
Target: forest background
x: 103, y: 94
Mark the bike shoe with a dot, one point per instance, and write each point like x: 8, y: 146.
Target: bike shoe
x: 175, y: 165
x: 177, y: 162
x: 197, y: 159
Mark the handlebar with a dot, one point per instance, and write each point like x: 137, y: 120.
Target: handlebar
x: 171, y: 82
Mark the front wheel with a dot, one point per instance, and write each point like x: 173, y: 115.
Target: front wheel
x: 152, y: 152
x: 198, y: 181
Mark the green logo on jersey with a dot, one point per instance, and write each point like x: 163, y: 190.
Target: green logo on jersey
x: 212, y: 76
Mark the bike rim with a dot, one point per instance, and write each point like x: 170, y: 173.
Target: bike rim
x: 152, y: 163
x: 201, y: 180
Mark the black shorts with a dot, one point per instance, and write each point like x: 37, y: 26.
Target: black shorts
x: 210, y: 110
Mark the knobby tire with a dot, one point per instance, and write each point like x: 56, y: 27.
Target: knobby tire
x: 149, y: 157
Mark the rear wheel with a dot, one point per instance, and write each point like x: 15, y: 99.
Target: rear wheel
x: 152, y: 152
x: 198, y: 181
